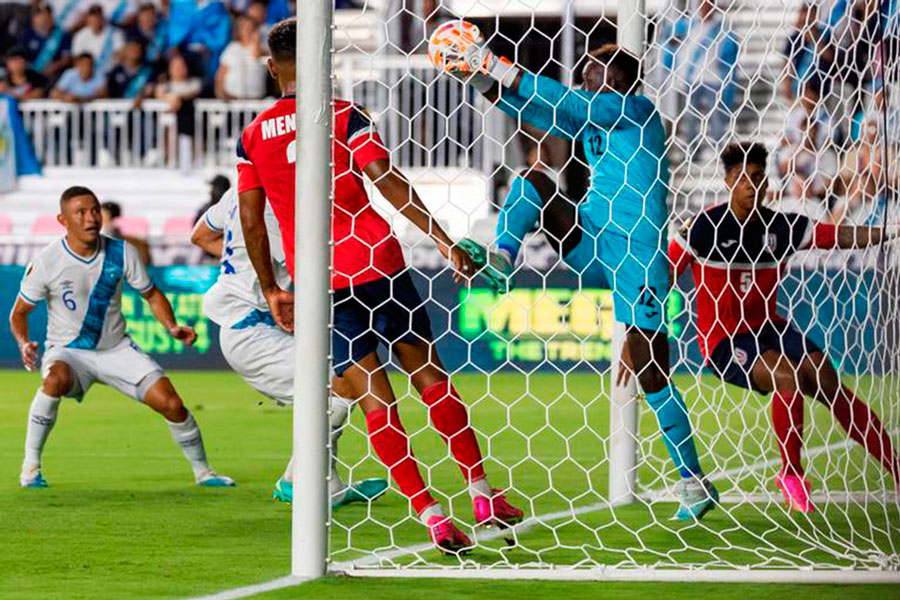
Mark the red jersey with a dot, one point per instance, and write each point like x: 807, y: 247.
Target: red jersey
x: 365, y: 248
x: 737, y: 266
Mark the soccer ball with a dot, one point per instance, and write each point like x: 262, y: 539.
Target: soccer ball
x: 449, y: 42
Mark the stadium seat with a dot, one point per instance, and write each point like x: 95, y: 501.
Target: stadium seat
x: 178, y: 226
x: 47, y: 225
x: 6, y: 225
x: 137, y: 227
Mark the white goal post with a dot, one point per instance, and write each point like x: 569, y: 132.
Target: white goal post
x: 857, y: 536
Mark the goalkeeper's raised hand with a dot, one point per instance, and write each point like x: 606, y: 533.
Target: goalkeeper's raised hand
x: 457, y: 48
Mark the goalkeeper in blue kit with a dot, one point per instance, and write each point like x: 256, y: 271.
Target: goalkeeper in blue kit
x: 617, y: 237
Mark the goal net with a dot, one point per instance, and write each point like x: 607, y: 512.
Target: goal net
x: 814, y: 82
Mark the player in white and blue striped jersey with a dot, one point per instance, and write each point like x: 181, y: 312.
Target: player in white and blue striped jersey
x: 80, y: 277
x: 257, y: 349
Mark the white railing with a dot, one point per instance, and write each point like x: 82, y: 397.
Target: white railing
x: 427, y: 121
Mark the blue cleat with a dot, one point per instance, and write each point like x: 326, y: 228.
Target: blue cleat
x: 495, y: 267
x: 32, y: 478
x: 696, y: 497
x: 214, y: 480
x: 366, y: 490
x: 363, y: 491
x: 284, y: 491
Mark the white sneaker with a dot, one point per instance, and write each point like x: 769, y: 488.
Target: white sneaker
x: 210, y: 478
x: 696, y: 497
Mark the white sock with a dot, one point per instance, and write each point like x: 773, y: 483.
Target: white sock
x: 288, y: 474
x: 187, y: 435
x: 480, y: 487
x: 435, y: 510
x: 337, y: 418
x: 41, y: 419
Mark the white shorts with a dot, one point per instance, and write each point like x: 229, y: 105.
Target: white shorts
x: 264, y: 356
x: 123, y: 367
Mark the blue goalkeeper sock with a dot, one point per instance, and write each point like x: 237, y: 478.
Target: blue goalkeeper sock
x: 520, y: 213
x: 672, y: 415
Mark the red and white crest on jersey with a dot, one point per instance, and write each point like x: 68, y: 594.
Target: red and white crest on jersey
x: 365, y: 249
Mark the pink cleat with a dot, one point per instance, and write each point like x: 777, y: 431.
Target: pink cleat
x: 496, y: 511
x: 796, y: 490
x: 447, y: 536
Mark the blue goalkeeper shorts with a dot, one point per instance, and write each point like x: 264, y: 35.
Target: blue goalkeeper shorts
x: 635, y: 269
x: 387, y: 310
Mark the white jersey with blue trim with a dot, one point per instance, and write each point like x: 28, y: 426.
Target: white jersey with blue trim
x: 236, y: 293
x: 84, y: 295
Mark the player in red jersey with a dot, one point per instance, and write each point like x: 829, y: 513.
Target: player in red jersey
x: 737, y: 251
x: 374, y: 296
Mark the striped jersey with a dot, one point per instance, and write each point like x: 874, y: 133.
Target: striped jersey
x: 84, y: 295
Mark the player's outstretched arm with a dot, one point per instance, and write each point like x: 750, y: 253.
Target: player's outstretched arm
x: 849, y: 237
x: 256, y: 237
x: 398, y: 191
x: 206, y: 238
x: 162, y: 310
x: 18, y: 325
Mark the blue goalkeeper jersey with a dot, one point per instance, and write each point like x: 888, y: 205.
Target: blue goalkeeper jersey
x: 625, y: 144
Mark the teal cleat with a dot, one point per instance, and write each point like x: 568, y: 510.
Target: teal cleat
x: 495, y: 267
x: 284, y: 491
x: 211, y: 479
x: 696, y: 497
x: 366, y: 490
x: 34, y: 480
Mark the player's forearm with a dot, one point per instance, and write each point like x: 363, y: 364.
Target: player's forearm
x: 404, y: 198
x: 256, y: 239
x: 850, y: 236
x: 208, y: 240
x: 161, y: 308
x: 18, y: 325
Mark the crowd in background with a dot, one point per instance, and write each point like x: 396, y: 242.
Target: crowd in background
x: 830, y: 152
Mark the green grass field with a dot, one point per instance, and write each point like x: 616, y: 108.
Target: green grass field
x: 123, y: 520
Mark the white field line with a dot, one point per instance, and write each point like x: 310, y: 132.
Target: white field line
x: 356, y: 566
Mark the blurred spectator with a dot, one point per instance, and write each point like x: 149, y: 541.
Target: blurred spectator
x: 99, y: 39
x: 218, y: 185
x: 810, y: 108
x: 242, y: 72
x: 180, y: 90
x: 22, y: 82
x: 152, y: 33
x: 47, y: 47
x: 807, y: 169
x: 14, y: 17
x: 131, y: 78
x: 861, y: 185
x: 258, y: 13
x: 111, y: 211
x: 699, y: 57
x: 81, y: 83
x: 807, y: 51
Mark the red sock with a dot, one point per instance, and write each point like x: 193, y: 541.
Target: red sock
x: 787, y: 421
x: 390, y: 442
x: 865, y: 428
x: 451, y: 419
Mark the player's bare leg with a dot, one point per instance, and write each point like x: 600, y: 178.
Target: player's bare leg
x: 821, y: 381
x: 450, y: 418
x: 776, y: 373
x: 648, y: 355
x: 369, y: 382
x: 162, y: 397
x: 41, y: 419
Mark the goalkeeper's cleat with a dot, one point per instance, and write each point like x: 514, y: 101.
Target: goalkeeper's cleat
x: 696, y: 497
x: 366, y: 490
x: 496, y: 511
x: 795, y: 490
x: 210, y: 478
x: 284, y: 491
x: 494, y: 266
x: 32, y: 478
x: 447, y: 537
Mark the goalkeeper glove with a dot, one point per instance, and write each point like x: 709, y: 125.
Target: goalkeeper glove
x: 457, y: 47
